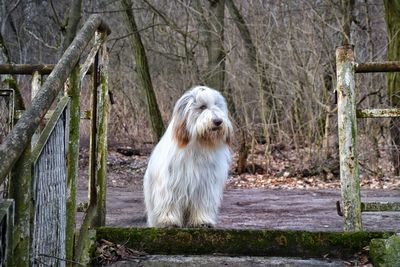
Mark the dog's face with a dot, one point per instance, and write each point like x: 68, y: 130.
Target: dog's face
x: 201, y: 115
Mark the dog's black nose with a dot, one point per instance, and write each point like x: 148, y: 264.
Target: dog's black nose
x: 217, y: 122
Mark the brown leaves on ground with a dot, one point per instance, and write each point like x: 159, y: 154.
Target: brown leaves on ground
x: 305, y: 168
x: 108, y: 252
x: 281, y: 167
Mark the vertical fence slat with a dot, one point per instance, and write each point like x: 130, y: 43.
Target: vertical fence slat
x: 347, y: 130
x: 73, y: 91
x: 101, y: 177
x: 36, y: 83
x: 20, y: 189
x: 84, y: 231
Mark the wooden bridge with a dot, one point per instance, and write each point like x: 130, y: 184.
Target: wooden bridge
x: 39, y: 162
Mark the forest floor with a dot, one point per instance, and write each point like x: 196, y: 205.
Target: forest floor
x: 285, y: 168
x: 288, y: 191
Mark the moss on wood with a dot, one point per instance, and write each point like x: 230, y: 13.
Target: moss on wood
x: 385, y: 252
x: 73, y: 91
x: 101, y: 171
x: 240, y: 242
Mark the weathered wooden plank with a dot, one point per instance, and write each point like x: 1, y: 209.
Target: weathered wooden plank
x: 6, y: 226
x: 347, y: 129
x: 57, y: 113
x: 26, y: 69
x: 90, y: 58
x: 36, y: 83
x: 29, y: 69
x: 388, y: 66
x: 91, y: 212
x: 237, y: 242
x: 73, y: 91
x: 380, y: 206
x: 101, y: 175
x: 20, y: 189
x: 19, y: 137
x: 49, y: 191
x: 378, y: 113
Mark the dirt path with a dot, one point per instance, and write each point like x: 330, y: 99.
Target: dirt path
x: 293, y: 209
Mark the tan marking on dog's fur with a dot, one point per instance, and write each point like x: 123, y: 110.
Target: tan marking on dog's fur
x: 181, y: 134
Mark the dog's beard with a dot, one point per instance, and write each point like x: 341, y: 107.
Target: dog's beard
x: 212, y: 137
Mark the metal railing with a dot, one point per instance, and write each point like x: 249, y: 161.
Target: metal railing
x: 48, y: 199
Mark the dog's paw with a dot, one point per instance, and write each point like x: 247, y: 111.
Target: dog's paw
x: 172, y: 226
x: 169, y: 225
x: 206, y: 225
x: 201, y: 225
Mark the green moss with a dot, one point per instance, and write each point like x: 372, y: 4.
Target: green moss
x: 73, y: 92
x: 385, y: 252
x: 240, y: 242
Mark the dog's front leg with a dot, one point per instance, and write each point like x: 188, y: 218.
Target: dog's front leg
x: 169, y: 216
x: 203, y: 211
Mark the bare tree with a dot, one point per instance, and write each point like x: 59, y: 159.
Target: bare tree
x: 73, y: 19
x: 214, y: 32
x: 392, y: 16
x: 347, y: 18
x: 142, y: 69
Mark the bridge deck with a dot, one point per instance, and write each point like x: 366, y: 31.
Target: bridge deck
x: 312, y: 210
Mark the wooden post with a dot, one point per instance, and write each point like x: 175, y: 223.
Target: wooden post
x: 347, y: 127
x: 101, y: 175
x: 20, y: 189
x: 73, y: 91
x: 97, y: 155
x: 36, y: 84
x: 92, y: 192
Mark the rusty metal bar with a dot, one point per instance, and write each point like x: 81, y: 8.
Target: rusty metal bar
x: 380, y: 206
x: 378, y: 113
x: 347, y: 129
x: 388, y: 66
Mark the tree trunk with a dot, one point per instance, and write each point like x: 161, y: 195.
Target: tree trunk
x: 213, y: 31
x: 253, y: 60
x: 143, y: 71
x: 392, y: 16
x: 215, y: 46
x: 74, y: 17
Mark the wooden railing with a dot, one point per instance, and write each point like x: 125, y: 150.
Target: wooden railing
x: 58, y: 141
x: 346, y: 67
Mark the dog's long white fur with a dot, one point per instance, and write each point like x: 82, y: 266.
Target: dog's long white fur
x: 186, y: 173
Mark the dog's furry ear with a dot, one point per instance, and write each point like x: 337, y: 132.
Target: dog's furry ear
x: 229, y: 135
x: 181, y: 132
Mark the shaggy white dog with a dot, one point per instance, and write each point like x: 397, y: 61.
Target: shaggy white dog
x: 184, y: 181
